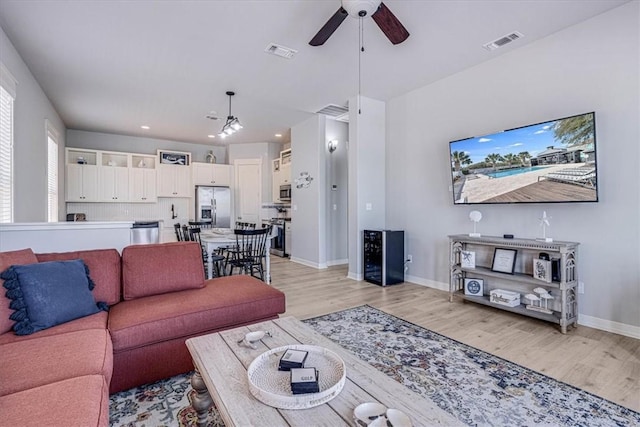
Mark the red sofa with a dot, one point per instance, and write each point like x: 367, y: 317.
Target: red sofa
x: 158, y: 298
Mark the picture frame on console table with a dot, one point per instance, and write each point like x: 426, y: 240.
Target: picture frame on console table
x: 542, y: 270
x: 504, y: 260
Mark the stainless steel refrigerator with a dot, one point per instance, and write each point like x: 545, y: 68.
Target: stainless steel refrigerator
x: 214, y: 204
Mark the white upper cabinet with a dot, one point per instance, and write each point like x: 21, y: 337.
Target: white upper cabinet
x: 174, y: 181
x: 82, y: 183
x: 113, y: 178
x: 212, y: 174
x: 114, y: 184
x: 142, y: 179
x: 82, y: 175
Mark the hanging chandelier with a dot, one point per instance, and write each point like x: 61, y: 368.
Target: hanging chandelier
x: 232, y: 124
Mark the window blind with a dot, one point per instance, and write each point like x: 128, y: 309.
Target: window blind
x: 52, y: 173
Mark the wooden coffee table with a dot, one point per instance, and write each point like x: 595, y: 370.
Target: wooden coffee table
x: 221, y: 374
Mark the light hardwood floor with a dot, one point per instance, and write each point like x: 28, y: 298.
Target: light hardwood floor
x: 605, y: 364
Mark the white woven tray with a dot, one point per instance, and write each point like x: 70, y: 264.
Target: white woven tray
x: 273, y: 387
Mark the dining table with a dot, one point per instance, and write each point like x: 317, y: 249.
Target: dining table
x: 215, y: 239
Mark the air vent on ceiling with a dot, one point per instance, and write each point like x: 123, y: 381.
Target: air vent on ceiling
x: 213, y: 115
x: 503, y: 41
x: 333, y: 110
x: 284, y: 52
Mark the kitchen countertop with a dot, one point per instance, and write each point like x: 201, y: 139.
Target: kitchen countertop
x: 63, y: 225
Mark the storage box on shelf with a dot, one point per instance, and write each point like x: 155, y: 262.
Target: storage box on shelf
x: 564, y: 310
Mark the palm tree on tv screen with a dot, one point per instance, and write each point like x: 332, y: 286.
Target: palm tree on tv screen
x: 511, y: 158
x: 524, y: 157
x: 493, y: 159
x: 460, y: 158
x: 574, y: 130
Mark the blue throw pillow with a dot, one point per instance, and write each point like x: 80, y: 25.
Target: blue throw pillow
x: 48, y: 294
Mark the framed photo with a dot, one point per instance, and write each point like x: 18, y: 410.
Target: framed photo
x: 473, y: 287
x: 504, y: 260
x: 174, y: 158
x: 467, y: 259
x: 542, y: 270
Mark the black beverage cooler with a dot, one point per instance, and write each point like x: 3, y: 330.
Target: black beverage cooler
x: 383, y: 257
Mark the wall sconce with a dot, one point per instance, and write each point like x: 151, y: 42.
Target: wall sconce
x: 332, y: 145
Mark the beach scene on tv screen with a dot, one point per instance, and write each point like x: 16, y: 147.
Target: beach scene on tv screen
x: 553, y: 161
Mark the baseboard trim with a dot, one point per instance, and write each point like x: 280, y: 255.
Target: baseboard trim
x: 337, y: 262
x: 311, y: 264
x: 584, y: 320
x: 428, y: 283
x: 609, y: 326
x: 355, y: 276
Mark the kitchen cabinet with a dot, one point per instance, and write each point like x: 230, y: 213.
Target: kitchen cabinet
x: 142, y: 185
x: 285, y: 174
x: 113, y: 184
x: 81, y: 183
x: 275, y: 180
x: 211, y: 174
x: 142, y: 179
x: 81, y: 175
x: 174, y: 180
x: 561, y: 285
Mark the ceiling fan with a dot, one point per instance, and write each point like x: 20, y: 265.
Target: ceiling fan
x: 386, y: 20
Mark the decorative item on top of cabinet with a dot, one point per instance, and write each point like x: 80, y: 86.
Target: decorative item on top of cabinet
x: 560, y: 296
x: 174, y: 158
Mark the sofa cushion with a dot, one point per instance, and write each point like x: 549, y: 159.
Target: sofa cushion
x: 222, y: 303
x: 33, y: 363
x: 7, y: 259
x: 160, y: 268
x: 104, y: 269
x: 76, y: 402
x: 48, y: 293
x: 95, y: 321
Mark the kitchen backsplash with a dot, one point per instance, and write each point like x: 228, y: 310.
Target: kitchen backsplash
x: 160, y: 211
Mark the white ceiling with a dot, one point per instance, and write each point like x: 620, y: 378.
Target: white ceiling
x: 112, y: 66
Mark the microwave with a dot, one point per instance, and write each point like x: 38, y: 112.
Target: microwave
x: 285, y: 192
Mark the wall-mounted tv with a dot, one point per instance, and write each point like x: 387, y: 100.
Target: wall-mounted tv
x: 549, y: 162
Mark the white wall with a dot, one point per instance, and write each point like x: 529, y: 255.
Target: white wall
x: 31, y: 109
x: 308, y: 213
x: 366, y: 175
x: 336, y: 165
x: 592, y: 66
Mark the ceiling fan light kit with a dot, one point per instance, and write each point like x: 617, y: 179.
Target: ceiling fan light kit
x: 232, y: 124
x: 383, y: 17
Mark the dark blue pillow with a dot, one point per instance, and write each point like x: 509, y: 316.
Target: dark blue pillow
x: 48, y: 294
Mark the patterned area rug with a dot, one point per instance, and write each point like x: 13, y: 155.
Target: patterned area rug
x: 476, y: 387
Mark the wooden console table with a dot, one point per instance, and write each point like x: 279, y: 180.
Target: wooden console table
x: 564, y: 290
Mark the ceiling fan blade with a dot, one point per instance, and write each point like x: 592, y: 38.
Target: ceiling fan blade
x: 389, y: 24
x: 332, y: 24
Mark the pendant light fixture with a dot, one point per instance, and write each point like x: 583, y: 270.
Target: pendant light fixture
x: 232, y: 124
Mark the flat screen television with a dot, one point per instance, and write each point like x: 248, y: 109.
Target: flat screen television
x: 549, y: 162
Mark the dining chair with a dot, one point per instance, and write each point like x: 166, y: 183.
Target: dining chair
x: 217, y: 261
x: 178, y: 229
x: 250, y: 251
x: 245, y: 225
x: 202, y: 224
